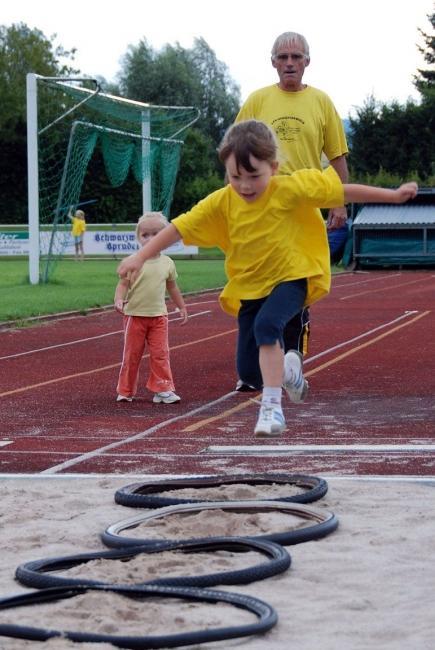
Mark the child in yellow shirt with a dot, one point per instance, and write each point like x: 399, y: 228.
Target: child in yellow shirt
x: 276, y: 253
x: 78, y: 231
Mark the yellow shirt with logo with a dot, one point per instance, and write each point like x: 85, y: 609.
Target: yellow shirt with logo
x: 305, y: 122
x: 146, y: 296
x: 278, y: 237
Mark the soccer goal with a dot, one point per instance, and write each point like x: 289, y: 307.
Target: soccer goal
x: 68, y: 121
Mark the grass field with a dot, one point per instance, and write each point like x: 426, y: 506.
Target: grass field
x: 81, y: 286
x: 77, y: 286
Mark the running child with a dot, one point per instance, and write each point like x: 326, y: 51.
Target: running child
x: 142, y: 302
x: 276, y: 250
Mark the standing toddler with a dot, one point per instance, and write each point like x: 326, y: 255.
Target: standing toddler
x: 141, y: 300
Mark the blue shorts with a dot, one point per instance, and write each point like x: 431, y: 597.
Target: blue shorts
x: 262, y: 322
x: 78, y: 239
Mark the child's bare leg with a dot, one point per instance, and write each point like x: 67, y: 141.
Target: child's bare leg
x: 272, y: 364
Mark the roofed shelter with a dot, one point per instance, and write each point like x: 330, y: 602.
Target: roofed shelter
x: 396, y: 235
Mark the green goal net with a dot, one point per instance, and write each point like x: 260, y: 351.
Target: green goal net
x: 69, y: 121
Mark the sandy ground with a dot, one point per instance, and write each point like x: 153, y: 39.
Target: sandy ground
x: 368, y: 585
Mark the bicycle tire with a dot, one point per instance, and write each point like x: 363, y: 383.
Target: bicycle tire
x: 37, y: 573
x: 146, y: 495
x: 266, y: 616
x: 327, y: 522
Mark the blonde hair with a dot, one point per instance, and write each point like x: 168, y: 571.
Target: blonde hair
x: 80, y: 214
x: 151, y: 215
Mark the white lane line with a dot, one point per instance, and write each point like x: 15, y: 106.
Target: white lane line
x: 359, y: 282
x: 90, y: 338
x: 4, y: 443
x: 407, y: 314
x: 330, y: 478
x: 137, y: 436
x: 290, y: 449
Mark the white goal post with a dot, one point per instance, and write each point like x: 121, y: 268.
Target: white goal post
x: 149, y: 126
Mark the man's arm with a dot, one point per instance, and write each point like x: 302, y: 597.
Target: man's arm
x: 337, y: 217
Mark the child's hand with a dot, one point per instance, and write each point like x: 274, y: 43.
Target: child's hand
x: 119, y: 305
x: 129, y: 267
x: 406, y: 191
x: 183, y: 315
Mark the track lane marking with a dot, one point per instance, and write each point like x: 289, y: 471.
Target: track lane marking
x: 137, y: 436
x: 288, y: 449
x: 376, y: 279
x: 375, y: 478
x: 407, y: 314
x: 340, y: 357
x: 371, y: 291
x: 90, y: 338
x: 110, y: 367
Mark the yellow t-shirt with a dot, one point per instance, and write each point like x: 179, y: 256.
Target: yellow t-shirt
x: 146, y: 296
x: 78, y: 227
x: 306, y: 124
x: 281, y: 236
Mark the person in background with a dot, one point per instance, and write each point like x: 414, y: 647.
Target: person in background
x: 142, y: 303
x: 309, y: 132
x: 78, y: 230
x: 276, y: 253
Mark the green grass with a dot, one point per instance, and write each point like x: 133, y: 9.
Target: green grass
x: 77, y: 286
x: 81, y: 286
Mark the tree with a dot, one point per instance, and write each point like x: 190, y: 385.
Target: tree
x: 424, y: 81
x: 22, y: 50
x: 394, y: 140
x: 175, y: 76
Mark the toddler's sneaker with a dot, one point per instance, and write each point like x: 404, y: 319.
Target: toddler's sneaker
x: 169, y: 397
x: 270, y: 422
x: 123, y: 398
x: 294, y: 383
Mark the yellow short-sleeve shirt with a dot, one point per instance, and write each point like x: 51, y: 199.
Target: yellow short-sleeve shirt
x: 305, y: 123
x: 279, y: 237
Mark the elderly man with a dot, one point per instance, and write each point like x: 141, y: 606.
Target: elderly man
x: 308, y: 129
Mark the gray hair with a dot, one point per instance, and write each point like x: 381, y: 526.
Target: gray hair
x: 291, y: 38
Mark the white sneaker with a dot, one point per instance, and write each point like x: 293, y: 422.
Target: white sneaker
x: 294, y: 382
x: 169, y: 397
x: 122, y: 398
x: 270, y: 422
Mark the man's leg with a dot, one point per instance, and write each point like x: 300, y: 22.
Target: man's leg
x: 297, y: 332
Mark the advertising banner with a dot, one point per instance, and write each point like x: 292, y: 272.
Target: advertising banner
x: 115, y: 243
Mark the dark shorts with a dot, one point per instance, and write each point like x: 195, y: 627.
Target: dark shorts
x: 262, y: 322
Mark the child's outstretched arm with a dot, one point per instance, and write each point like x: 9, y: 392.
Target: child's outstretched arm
x: 133, y: 263
x: 177, y: 299
x: 369, y: 194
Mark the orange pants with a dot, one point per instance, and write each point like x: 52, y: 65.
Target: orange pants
x: 139, y: 330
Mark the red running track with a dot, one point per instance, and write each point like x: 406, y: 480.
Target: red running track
x: 370, y: 411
